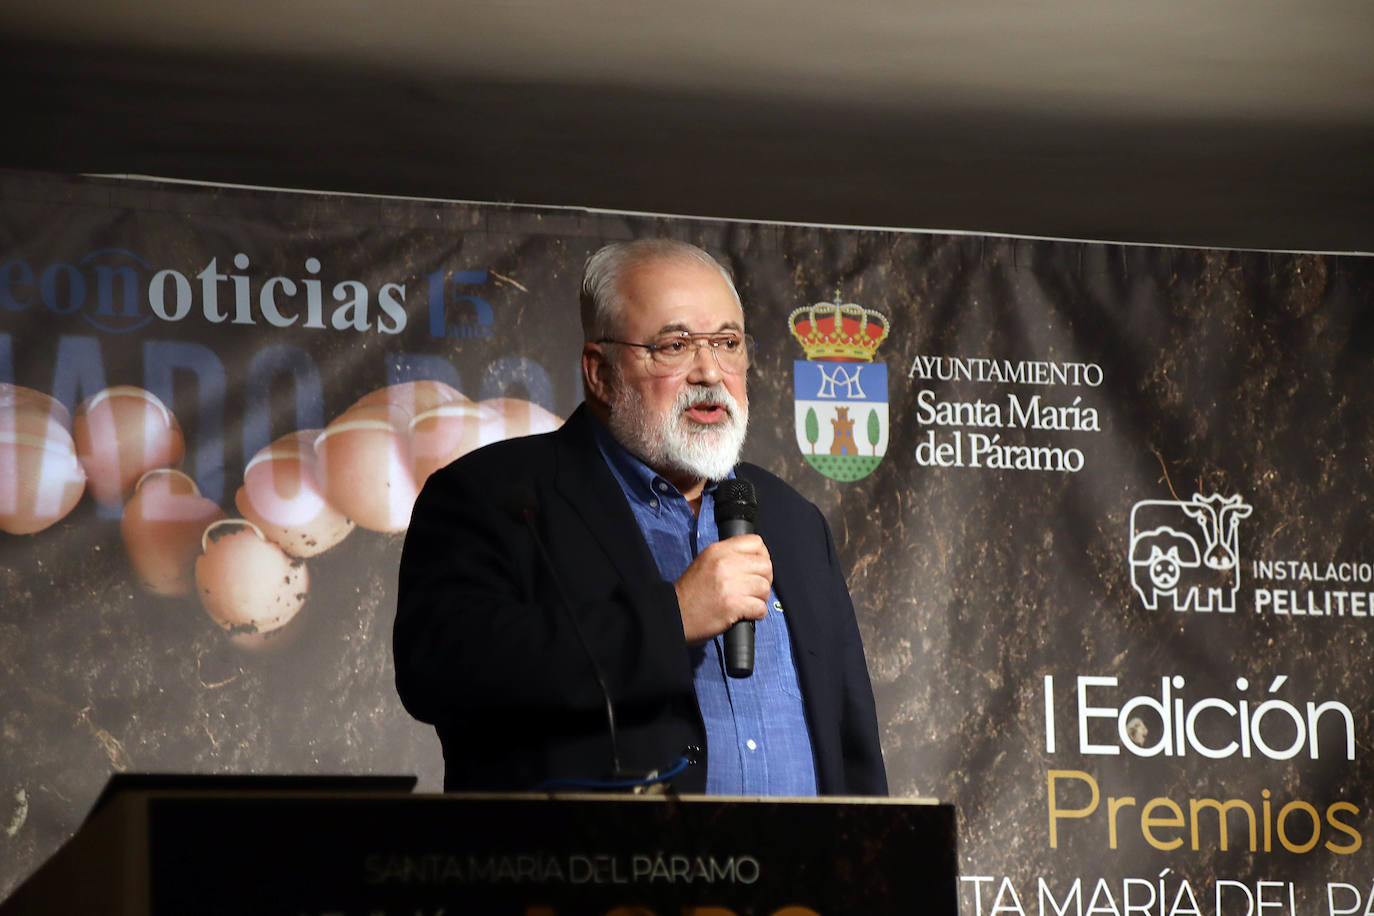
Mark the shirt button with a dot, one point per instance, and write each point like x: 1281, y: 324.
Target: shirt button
x: 751, y: 745
x: 662, y: 487
x: 777, y: 606
x: 653, y: 504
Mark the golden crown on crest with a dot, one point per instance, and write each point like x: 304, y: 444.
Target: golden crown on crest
x: 838, y: 331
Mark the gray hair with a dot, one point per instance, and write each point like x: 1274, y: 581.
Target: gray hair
x: 600, y: 298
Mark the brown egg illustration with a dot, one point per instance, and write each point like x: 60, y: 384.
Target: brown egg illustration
x: 122, y: 433
x: 449, y: 431
x: 444, y: 434
x: 41, y: 479
x: 518, y: 417
x: 283, y: 640
x: 162, y: 528
x: 247, y: 584
x: 414, y: 398
x: 33, y: 413
x: 19, y: 397
x: 364, y: 460
x: 284, y: 497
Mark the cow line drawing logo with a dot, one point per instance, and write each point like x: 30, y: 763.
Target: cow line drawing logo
x: 839, y: 391
x: 1184, y: 553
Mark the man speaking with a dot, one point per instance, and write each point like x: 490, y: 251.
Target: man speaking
x: 565, y: 600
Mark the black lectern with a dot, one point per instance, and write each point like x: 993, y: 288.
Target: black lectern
x: 207, y: 847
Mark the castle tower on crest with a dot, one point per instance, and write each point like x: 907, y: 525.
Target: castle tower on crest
x: 843, y: 443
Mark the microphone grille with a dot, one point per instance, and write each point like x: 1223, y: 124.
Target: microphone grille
x: 735, y: 500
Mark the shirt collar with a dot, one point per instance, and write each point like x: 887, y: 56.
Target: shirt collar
x: 640, y: 482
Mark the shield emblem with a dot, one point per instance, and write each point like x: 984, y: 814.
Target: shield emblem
x: 840, y: 392
x: 841, y: 416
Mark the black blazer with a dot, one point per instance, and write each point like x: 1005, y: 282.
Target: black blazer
x: 486, y: 650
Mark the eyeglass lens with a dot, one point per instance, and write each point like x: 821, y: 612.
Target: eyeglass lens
x: 731, y: 351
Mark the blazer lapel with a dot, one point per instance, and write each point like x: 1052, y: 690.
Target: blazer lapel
x: 584, y: 481
x: 794, y: 585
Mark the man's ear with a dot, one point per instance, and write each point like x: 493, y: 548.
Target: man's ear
x: 597, y: 373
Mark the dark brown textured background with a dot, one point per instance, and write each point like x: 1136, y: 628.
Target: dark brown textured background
x: 1225, y: 371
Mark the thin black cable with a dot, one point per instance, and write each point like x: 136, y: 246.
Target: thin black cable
x: 553, y: 784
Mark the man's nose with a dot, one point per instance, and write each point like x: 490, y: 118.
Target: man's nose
x: 704, y: 368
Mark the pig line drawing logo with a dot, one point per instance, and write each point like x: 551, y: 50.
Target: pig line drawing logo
x: 1184, y: 554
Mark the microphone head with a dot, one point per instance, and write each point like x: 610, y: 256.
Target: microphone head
x: 522, y: 502
x: 735, y: 501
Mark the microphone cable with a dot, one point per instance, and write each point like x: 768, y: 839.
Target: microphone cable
x: 654, y: 778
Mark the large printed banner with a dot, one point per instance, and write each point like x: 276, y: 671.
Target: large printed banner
x: 1104, y: 510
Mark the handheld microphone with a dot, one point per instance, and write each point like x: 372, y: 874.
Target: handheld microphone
x: 736, y: 509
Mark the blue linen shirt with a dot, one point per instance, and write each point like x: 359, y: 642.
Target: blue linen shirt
x: 757, y: 739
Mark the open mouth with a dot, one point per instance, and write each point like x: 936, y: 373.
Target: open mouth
x: 708, y: 413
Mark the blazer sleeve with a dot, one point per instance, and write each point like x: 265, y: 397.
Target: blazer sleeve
x: 864, y: 771
x: 809, y: 578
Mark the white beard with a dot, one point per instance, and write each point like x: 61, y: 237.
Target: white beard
x: 677, y: 444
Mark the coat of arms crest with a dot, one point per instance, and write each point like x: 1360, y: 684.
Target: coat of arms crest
x: 839, y: 390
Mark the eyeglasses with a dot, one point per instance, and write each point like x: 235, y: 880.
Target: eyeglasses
x: 673, y: 353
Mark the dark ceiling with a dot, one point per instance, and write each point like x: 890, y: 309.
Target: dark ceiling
x: 1218, y: 168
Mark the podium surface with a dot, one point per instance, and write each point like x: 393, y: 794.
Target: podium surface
x: 206, y: 852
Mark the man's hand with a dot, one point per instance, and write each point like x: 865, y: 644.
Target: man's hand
x: 726, y: 583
